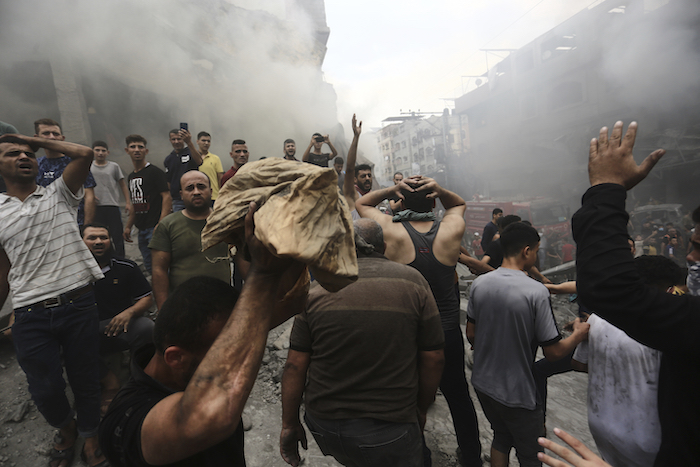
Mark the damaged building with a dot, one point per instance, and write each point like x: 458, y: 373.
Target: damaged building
x: 532, y: 115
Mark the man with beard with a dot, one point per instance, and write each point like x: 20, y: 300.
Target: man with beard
x: 176, y: 246
x: 361, y: 184
x: 123, y: 298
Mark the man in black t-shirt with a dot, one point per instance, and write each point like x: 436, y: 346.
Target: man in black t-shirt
x: 491, y: 228
x: 182, y: 159
x: 158, y: 418
x: 150, y: 197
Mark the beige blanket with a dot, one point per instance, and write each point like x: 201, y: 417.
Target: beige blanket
x: 302, y: 215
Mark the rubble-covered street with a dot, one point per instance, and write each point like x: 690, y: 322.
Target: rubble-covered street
x: 25, y: 438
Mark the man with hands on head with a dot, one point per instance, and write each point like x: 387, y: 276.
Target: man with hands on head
x: 51, y: 167
x: 182, y: 159
x: 185, y: 400
x: 417, y: 239
x: 313, y: 152
x: 49, y: 271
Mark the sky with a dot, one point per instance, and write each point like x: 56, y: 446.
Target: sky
x: 399, y: 55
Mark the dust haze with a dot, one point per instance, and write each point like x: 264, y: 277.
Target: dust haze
x: 144, y: 67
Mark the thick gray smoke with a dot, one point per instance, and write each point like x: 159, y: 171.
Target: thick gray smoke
x: 144, y: 67
x: 653, y: 60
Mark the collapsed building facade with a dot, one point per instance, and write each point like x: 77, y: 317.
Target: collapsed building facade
x: 532, y: 117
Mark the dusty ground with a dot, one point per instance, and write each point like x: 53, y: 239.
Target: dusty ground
x: 25, y: 438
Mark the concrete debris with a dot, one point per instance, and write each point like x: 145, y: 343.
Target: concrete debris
x: 18, y: 413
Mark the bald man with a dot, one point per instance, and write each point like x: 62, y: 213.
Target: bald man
x: 176, y: 246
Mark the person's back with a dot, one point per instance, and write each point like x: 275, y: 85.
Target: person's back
x: 434, y: 254
x: 624, y: 423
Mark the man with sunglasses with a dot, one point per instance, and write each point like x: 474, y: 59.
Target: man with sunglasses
x: 239, y: 154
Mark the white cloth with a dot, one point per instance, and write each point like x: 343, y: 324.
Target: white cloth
x: 623, y: 378
x: 43, y: 243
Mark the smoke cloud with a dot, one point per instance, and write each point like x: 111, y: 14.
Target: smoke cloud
x: 144, y: 67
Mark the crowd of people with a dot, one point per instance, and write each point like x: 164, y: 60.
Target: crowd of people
x: 365, y: 362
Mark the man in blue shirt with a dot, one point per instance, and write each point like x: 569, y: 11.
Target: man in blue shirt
x: 51, y: 167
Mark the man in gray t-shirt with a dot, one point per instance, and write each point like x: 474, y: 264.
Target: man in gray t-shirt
x: 509, y: 315
x: 110, y: 181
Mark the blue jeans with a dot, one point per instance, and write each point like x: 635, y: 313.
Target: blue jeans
x: 145, y: 236
x: 178, y: 205
x: 39, y: 334
x: 367, y: 442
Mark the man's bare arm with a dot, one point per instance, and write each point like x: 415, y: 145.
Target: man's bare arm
x: 4, y: 273
x: 430, y: 365
x: 471, y: 332
x: 365, y: 205
x: 349, y: 181
x: 125, y: 192
x: 564, y: 347
x: 334, y: 152
x: 129, y: 224
x: 120, y: 323
x: 76, y: 172
x: 209, y: 409
x: 534, y: 272
x: 90, y: 205
x: 167, y: 205
x: 293, y: 382
x: 474, y: 265
x: 194, y: 150
x: 161, y: 281
x: 305, y: 157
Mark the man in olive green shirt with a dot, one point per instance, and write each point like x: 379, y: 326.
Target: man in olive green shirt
x: 176, y: 246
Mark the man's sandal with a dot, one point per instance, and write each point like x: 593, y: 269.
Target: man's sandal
x: 97, y: 453
x: 57, y: 457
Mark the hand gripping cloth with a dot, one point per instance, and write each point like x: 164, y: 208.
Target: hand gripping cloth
x: 302, y: 215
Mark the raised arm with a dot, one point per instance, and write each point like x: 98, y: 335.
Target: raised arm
x: 293, y: 382
x: 349, y: 181
x: 607, y: 280
x: 90, y: 205
x: 194, y: 150
x: 333, y: 153
x: 305, y: 157
x: 76, y: 172
x: 209, y: 409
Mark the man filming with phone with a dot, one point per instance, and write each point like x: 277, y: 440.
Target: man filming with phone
x: 182, y: 159
x: 313, y: 152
